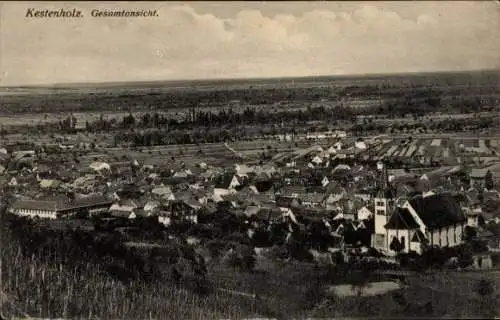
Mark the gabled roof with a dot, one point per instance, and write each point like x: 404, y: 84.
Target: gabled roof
x: 251, y: 210
x: 162, y: 191
x: 91, y: 200
x: 312, y: 197
x: 224, y: 181
x: 418, y: 237
x: 269, y: 213
x: 478, y: 173
x: 438, y: 210
x: 401, y: 219
x: 285, y: 202
x: 35, y: 205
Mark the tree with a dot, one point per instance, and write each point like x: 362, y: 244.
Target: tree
x: 485, y: 288
x: 488, y: 180
x: 488, y: 302
x: 470, y: 234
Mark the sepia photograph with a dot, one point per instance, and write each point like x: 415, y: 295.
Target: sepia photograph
x: 250, y: 160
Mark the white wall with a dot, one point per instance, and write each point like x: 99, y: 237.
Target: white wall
x: 459, y: 233
x: 391, y: 233
x: 380, y: 219
x: 416, y: 246
x: 46, y: 214
x: 364, y: 213
x: 164, y: 220
x: 443, y: 237
x: 472, y: 221
x: 435, y: 238
x: 450, y: 232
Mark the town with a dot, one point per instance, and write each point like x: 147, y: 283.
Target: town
x: 392, y: 201
x: 250, y: 160
x: 345, y: 188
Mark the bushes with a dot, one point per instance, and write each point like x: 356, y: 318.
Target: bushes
x: 242, y: 257
x: 64, y: 275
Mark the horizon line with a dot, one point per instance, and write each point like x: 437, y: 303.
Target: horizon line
x: 62, y: 85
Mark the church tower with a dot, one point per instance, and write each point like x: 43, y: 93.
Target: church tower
x: 383, y: 202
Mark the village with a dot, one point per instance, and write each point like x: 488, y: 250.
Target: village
x: 380, y: 196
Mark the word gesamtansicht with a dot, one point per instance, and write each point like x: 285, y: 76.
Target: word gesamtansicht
x: 123, y: 13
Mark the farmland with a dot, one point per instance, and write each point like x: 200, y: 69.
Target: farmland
x: 415, y: 122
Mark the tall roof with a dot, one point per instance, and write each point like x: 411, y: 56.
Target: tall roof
x: 438, y: 210
x: 401, y: 219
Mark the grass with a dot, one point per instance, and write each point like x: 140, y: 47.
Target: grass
x: 35, y: 286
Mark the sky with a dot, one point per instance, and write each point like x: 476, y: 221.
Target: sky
x: 204, y: 40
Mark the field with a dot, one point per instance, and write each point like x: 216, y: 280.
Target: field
x: 286, y: 92
x: 76, y: 280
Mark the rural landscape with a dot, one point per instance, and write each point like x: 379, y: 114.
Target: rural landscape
x: 261, y: 198
x: 249, y: 160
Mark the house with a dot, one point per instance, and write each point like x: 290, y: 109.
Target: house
x: 91, y: 204
x: 472, y: 217
x: 243, y: 170
x: 100, y: 166
x: 311, y: 199
x: 49, y: 184
x: 164, y: 218
x: 364, y: 213
x: 478, y: 177
x: 270, y: 215
x: 482, y: 261
x: 163, y: 192
x: 226, y: 185
x: 61, y: 207
x: 325, y: 181
x: 23, y: 154
x: 317, y: 160
x: 293, y: 191
x: 124, y: 209
x: 13, y: 182
x: 87, y: 180
x: 36, y: 208
x: 397, y: 174
x: 151, y: 207
x: 181, y: 209
x: 286, y: 201
x: 251, y: 211
x: 361, y: 145
x: 437, y: 220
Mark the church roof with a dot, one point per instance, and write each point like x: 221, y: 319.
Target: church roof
x: 401, y: 219
x: 438, y: 210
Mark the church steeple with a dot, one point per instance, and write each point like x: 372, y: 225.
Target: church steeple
x: 382, y: 203
x: 384, y: 189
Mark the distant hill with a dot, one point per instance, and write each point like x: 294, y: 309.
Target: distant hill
x: 338, y: 80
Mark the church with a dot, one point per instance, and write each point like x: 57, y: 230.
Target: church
x: 432, y: 220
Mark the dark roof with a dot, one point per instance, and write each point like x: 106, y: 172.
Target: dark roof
x: 61, y: 203
x: 269, y: 213
x: 35, y: 205
x: 311, y: 197
x: 223, y: 181
x: 285, y: 202
x: 438, y: 210
x: 92, y: 200
x: 401, y: 219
